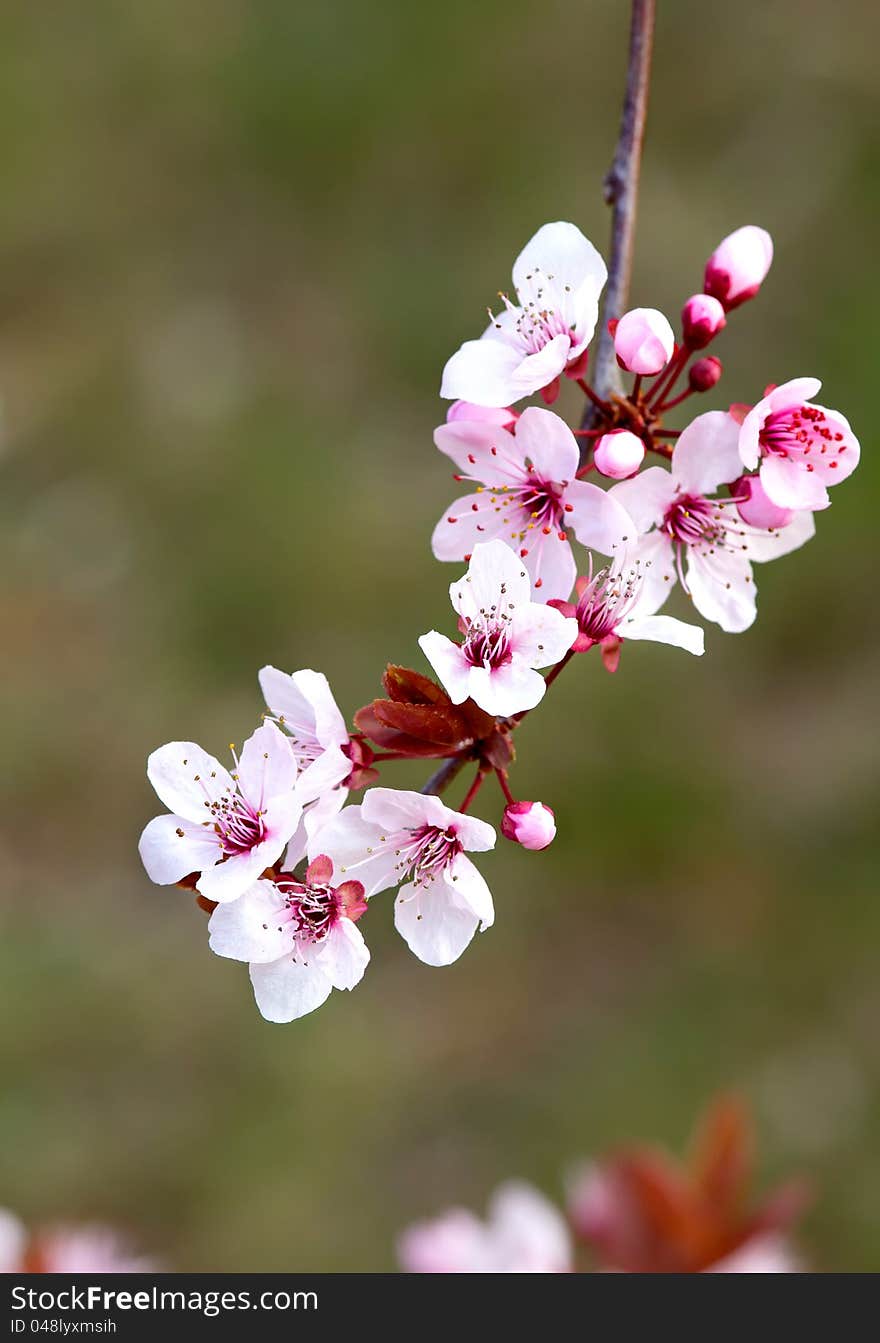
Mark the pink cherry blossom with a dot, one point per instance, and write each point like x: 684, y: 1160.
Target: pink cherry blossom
x: 557, y: 278
x: 528, y: 496
x: 468, y: 410
x: 531, y: 824
x: 506, y: 636
x: 737, y: 268
x: 412, y: 840
x: 768, y: 1253
x: 619, y: 603
x: 91, y: 1248
x: 643, y: 341
x: 755, y: 508
x: 619, y: 454
x: 298, y: 934
x: 702, y: 540
x: 228, y: 827
x: 702, y: 317
x: 523, y: 1233
x: 802, y: 448
x: 303, y: 705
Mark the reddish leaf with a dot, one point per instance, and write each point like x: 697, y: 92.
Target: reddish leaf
x: 410, y: 687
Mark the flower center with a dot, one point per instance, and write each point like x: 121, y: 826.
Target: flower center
x: 237, y: 824
x: 313, y: 910
x: 799, y: 433
x: 540, y: 315
x: 605, y: 600
x: 694, y: 521
x: 424, y: 852
x: 487, y: 643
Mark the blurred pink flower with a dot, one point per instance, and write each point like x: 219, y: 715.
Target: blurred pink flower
x: 523, y: 1233
x: 66, y: 1249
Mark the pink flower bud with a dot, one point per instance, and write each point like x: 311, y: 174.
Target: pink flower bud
x: 467, y: 410
x: 619, y: 454
x: 703, y: 375
x: 530, y: 824
x: 737, y: 267
x: 643, y: 341
x: 702, y: 317
x: 755, y: 508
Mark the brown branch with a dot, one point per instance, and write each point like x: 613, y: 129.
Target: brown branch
x: 443, y: 777
x: 621, y: 193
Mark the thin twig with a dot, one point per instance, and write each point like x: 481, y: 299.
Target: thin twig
x: 443, y: 777
x: 621, y: 193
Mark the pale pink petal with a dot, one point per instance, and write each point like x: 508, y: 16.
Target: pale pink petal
x: 186, y: 778
x: 357, y: 850
x: 563, y: 255
x: 433, y: 925
x: 793, y: 393
x: 664, y: 630
x: 255, y: 927
x: 539, y: 370
x: 469, y: 889
x: 548, y: 443
x: 13, y: 1240
x: 723, y: 589
x: 450, y: 664
x: 172, y: 847
x: 550, y: 564
x: 230, y: 879
x: 766, y: 545
x: 467, y: 522
x: 764, y: 1254
x: 304, y: 700
x: 707, y: 453
x: 495, y: 575
x: 600, y: 518
x: 482, y: 451
x: 787, y: 484
x: 474, y: 835
x: 286, y: 989
x: 343, y: 955
x: 455, y: 1242
x: 530, y: 1234
x: 646, y: 497
x: 399, y: 809
x: 541, y: 635
x: 787, y: 395
x: 654, y: 556
x: 483, y: 371
x: 323, y: 775
x: 266, y: 767
x: 506, y: 690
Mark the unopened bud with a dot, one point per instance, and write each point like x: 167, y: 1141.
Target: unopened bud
x: 619, y: 454
x: 702, y: 317
x: 643, y: 341
x: 754, y: 506
x: 736, y: 269
x: 530, y: 824
x: 467, y: 410
x: 703, y: 375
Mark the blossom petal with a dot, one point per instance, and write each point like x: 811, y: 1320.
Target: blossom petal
x: 562, y: 253
x: 469, y: 889
x: 646, y: 497
x: 466, y: 523
x: 231, y: 878
x: 434, y: 926
x: 495, y: 574
x: 343, y: 956
x: 707, y: 453
x: 483, y: 371
x: 664, y: 630
x: 542, y: 635
x: 530, y: 1235
x: 599, y: 518
x: 548, y: 443
x: 172, y: 847
x: 186, y: 778
x: 482, y: 451
x: 770, y: 545
x: 723, y: 589
x: 550, y: 564
x: 654, y: 556
x: 267, y: 767
x: 395, y: 809
x: 357, y: 850
x: 323, y: 775
x: 509, y: 689
x: 287, y: 989
x: 305, y: 701
x: 450, y: 664
x: 787, y: 484
x: 256, y: 927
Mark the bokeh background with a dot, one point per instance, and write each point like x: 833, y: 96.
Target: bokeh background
x: 238, y: 241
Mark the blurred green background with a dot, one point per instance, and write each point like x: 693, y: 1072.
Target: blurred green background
x: 238, y: 241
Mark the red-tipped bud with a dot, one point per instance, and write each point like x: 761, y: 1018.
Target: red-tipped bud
x: 755, y: 508
x: 703, y: 375
x: 736, y: 269
x: 702, y: 317
x: 619, y: 454
x: 643, y: 341
x: 530, y: 824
